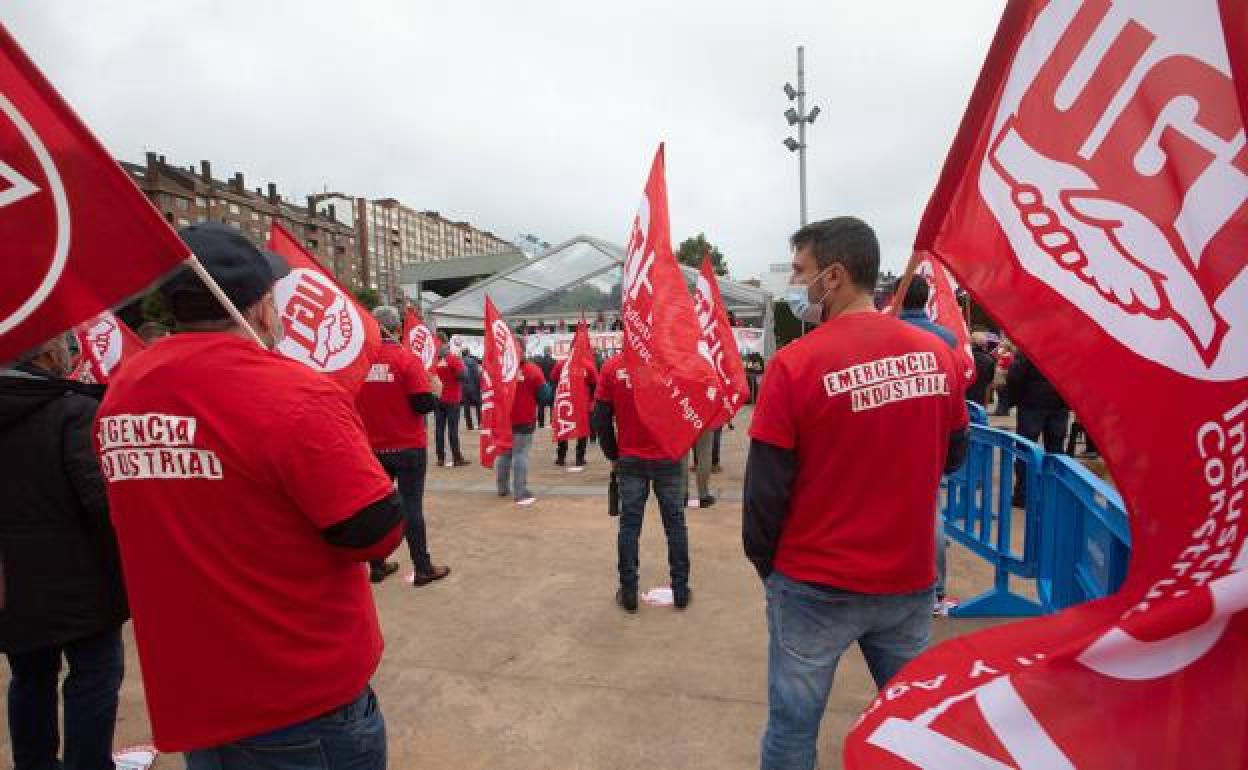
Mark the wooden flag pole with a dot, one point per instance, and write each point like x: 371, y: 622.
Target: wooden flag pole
x: 199, y: 269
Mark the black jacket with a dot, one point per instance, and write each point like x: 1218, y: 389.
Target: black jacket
x: 985, y: 370
x: 61, y: 571
x: 1028, y: 389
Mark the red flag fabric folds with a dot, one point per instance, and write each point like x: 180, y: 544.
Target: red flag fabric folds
x: 571, y: 412
x: 78, y: 236
x: 419, y: 339
x: 943, y: 308
x: 718, y: 345
x: 498, y: 385
x: 1095, y: 202
x: 104, y: 343
x: 675, y: 387
x: 324, y: 327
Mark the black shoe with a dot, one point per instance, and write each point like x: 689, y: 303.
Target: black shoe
x: 681, y: 596
x: 441, y: 462
x: 387, y: 569
x: 627, y: 599
x: 561, y: 461
x: 460, y: 462
x: 706, y: 502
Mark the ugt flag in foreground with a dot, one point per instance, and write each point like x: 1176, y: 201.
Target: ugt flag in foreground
x: 498, y: 385
x: 76, y: 236
x: 104, y: 343
x: 571, y: 412
x: 1094, y: 203
x: 323, y: 326
x: 418, y: 338
x: 718, y: 345
x: 674, y: 385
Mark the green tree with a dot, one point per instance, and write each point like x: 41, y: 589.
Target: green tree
x: 369, y: 298
x: 692, y: 250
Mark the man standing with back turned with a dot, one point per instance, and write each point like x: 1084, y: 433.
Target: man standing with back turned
x: 246, y: 501
x: 855, y: 423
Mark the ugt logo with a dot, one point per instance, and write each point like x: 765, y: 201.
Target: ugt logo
x: 506, y: 345
x: 322, y: 327
x: 1117, y: 169
x: 420, y: 341
x: 104, y: 337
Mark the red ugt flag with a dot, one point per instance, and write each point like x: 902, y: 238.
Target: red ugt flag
x: 718, y: 344
x: 323, y: 326
x: 77, y: 236
x: 674, y: 384
x: 498, y: 385
x: 418, y: 338
x: 1095, y: 201
x: 571, y: 413
x: 943, y: 308
x: 104, y: 343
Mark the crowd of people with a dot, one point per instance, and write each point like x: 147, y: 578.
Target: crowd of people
x: 249, y: 500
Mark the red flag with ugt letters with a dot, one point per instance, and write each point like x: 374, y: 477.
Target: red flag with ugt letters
x: 76, y: 236
x: 419, y: 339
x: 943, y: 308
x: 323, y: 326
x: 676, y: 389
x: 571, y: 412
x: 499, y: 370
x: 718, y: 345
x: 104, y: 343
x: 1095, y: 202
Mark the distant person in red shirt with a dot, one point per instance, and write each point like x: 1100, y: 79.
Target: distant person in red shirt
x: 638, y: 463
x: 511, y: 468
x: 855, y: 423
x: 246, y: 501
x: 393, y: 402
x: 449, y: 368
x: 561, y: 447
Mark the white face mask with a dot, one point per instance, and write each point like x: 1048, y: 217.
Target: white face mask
x: 798, y: 298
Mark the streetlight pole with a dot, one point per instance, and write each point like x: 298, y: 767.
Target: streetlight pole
x: 800, y: 118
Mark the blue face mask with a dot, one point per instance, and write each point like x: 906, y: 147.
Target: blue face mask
x: 798, y: 298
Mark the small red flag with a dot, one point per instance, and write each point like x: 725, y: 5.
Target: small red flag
x: 571, y: 413
x: 323, y: 326
x: 675, y: 387
x: 104, y: 343
x: 943, y: 308
x: 78, y: 236
x: 718, y: 344
x: 498, y: 385
x: 419, y: 338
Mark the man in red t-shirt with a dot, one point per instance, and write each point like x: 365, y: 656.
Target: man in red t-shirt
x: 855, y: 423
x: 638, y: 463
x: 245, y: 500
x: 448, y: 369
x: 561, y: 447
x: 511, y: 468
x: 393, y: 402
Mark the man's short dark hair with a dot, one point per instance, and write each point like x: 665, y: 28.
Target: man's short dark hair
x: 916, y: 293
x: 846, y: 241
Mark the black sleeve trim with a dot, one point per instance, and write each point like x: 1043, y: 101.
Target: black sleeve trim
x: 368, y: 527
x: 603, y: 422
x: 769, y: 474
x: 422, y: 403
x: 959, y: 442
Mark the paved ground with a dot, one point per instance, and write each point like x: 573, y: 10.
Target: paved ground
x: 521, y: 660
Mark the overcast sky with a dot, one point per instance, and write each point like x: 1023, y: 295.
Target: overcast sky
x: 538, y: 116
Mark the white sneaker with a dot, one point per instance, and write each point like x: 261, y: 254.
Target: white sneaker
x: 526, y: 500
x: 448, y: 464
x: 693, y: 502
x: 576, y: 468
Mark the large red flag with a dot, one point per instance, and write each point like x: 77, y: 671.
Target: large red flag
x: 1094, y: 202
x: 676, y: 386
x: 104, y: 343
x: 324, y: 327
x: 943, y: 308
x: 718, y: 345
x: 498, y: 385
x: 77, y: 237
x: 571, y: 412
x: 418, y: 338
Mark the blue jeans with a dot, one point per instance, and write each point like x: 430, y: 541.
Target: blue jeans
x: 512, y: 468
x: 349, y: 738
x: 635, y: 477
x: 96, y: 666
x: 810, y: 628
x: 407, y: 468
x: 446, y: 422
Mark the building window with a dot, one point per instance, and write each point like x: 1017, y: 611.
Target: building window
x: 181, y: 204
x: 233, y: 208
x: 200, y: 201
x: 183, y: 221
x: 255, y: 217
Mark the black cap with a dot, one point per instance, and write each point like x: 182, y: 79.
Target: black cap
x: 242, y: 270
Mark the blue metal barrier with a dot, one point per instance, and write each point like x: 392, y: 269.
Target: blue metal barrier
x: 979, y: 415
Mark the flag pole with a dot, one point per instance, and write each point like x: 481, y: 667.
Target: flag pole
x: 904, y: 284
x: 199, y: 269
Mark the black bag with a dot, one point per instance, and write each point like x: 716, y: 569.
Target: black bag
x: 613, y: 496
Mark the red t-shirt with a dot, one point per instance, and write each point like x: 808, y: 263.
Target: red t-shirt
x: 224, y: 462
x: 529, y: 381
x: 448, y: 368
x: 615, y: 387
x: 868, y: 403
x: 396, y: 373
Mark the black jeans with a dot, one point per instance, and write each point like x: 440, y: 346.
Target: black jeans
x: 471, y: 406
x: 635, y: 477
x: 561, y: 451
x: 407, y: 467
x: 96, y: 666
x: 1031, y: 425
x: 446, y: 420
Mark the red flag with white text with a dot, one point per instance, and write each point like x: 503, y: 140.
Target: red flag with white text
x: 943, y: 308
x: 718, y: 344
x: 571, y: 411
x: 499, y: 370
x: 676, y: 385
x: 418, y: 338
x: 78, y: 236
x: 323, y: 326
x: 1095, y: 202
x: 104, y: 343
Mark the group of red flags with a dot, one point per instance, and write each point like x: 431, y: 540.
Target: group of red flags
x: 1095, y: 202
